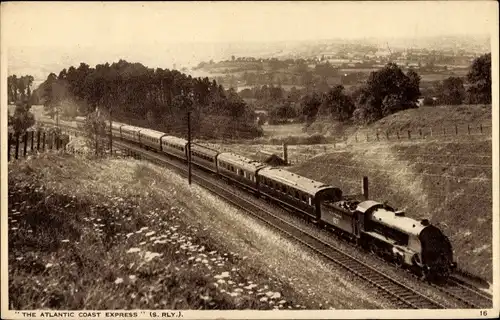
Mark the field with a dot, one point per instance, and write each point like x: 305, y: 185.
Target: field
x: 125, y: 234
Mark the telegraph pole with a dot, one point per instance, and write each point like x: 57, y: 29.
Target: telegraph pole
x: 110, y: 133
x: 189, y: 147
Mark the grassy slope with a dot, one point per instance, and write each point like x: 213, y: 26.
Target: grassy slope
x: 122, y: 234
x: 413, y: 119
x: 449, y: 182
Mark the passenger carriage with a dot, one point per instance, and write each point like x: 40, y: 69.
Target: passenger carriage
x: 239, y: 169
x: 301, y: 193
x: 174, y: 146
x: 116, y: 129
x: 130, y: 133
x: 151, y: 138
x: 80, y: 122
x: 204, y: 157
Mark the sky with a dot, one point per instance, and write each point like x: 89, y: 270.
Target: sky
x: 67, y: 32
x: 94, y: 23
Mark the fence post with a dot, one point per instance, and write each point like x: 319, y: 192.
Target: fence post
x: 387, y: 135
x: 17, y: 145
x: 377, y: 136
x: 444, y: 131
x: 409, y: 135
x: 38, y: 141
x: 356, y: 137
x: 43, y: 147
x: 468, y: 129
x: 8, y: 146
x: 57, y: 141
x: 32, y: 139
x: 431, y: 131
x: 397, y: 133
x: 420, y: 132
x: 456, y: 130
x: 25, y: 147
x: 367, y: 139
x: 481, y: 128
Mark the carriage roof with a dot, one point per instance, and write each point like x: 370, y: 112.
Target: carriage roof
x: 294, y: 180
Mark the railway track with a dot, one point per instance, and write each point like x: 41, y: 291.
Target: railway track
x: 399, y: 294
x: 468, y: 296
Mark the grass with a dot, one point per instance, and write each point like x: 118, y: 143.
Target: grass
x: 124, y: 234
x: 98, y: 242
x: 448, y: 182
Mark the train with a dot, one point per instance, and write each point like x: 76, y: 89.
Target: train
x: 374, y: 226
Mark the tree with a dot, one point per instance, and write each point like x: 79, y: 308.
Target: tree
x: 337, y: 104
x: 95, y: 132
x: 310, y: 105
x: 22, y: 118
x: 51, y: 100
x: 325, y: 70
x: 12, y: 89
x: 452, y: 91
x: 387, y: 91
x: 479, y: 78
x: 135, y: 94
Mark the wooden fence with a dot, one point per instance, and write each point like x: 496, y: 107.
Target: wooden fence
x: 30, y: 142
x: 423, y: 133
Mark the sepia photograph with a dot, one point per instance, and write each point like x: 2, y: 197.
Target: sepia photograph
x: 249, y: 160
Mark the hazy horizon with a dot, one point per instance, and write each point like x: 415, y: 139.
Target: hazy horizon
x: 44, y: 36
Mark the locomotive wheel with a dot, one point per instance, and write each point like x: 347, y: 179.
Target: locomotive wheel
x: 398, y: 261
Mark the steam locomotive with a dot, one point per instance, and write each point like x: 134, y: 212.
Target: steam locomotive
x: 376, y: 227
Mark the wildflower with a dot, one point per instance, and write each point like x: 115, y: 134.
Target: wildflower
x: 65, y: 240
x: 129, y: 234
x: 132, y: 277
x: 48, y: 265
x: 204, y: 298
x: 276, y: 295
x: 150, y: 233
x: 132, y: 250
x: 118, y: 280
x: 250, y: 286
x: 151, y: 255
